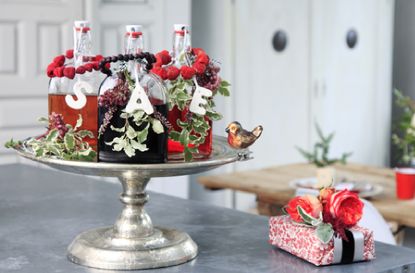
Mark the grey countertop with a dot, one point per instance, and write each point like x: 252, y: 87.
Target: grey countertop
x: 41, y: 211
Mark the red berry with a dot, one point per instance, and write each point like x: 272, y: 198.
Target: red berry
x: 58, y: 71
x: 59, y: 60
x: 95, y: 65
x: 172, y: 73
x: 203, y: 59
x: 80, y: 69
x: 69, y: 72
x: 89, y: 67
x: 160, y: 72
x: 107, y: 65
x: 98, y: 58
x: 164, y: 57
x: 197, y: 50
x: 69, y: 53
x: 199, y: 68
x: 187, y: 72
x: 49, y: 70
x: 158, y: 63
x: 164, y: 52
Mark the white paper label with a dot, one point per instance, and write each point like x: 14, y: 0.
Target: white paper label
x: 196, y: 105
x: 80, y: 88
x: 139, y: 101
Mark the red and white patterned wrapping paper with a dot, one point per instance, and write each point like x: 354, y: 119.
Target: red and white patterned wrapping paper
x: 302, y: 242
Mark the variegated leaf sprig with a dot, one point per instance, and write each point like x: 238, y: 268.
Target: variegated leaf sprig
x: 132, y: 138
x: 63, y: 141
x: 324, y: 231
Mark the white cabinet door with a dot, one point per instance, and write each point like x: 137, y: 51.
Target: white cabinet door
x: 109, y: 18
x: 271, y: 88
x: 351, y: 87
x: 32, y: 32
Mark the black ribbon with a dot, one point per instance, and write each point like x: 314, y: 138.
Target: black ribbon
x: 348, y: 248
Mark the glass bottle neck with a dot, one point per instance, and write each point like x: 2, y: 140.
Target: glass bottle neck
x: 181, y: 45
x: 82, y: 44
x: 133, y: 44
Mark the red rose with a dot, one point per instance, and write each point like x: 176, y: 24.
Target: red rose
x: 172, y: 73
x: 310, y: 204
x: 199, y: 68
x: 187, y: 72
x: 345, y: 207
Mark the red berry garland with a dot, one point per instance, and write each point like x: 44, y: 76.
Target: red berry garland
x: 171, y: 72
x: 98, y: 62
x: 57, y: 68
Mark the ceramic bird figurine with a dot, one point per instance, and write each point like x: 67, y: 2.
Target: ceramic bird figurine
x: 239, y: 138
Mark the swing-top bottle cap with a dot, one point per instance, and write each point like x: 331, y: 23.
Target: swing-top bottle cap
x: 181, y: 27
x: 133, y: 28
x: 82, y: 24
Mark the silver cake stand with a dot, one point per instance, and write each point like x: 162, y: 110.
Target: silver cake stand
x: 133, y: 242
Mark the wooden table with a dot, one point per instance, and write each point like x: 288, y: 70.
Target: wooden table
x: 271, y: 186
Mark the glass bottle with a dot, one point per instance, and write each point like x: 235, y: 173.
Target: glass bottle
x: 116, y: 87
x: 64, y: 99
x: 181, y: 47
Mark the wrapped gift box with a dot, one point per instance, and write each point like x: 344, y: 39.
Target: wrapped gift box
x: 301, y: 241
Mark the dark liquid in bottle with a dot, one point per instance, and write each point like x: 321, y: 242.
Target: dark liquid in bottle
x: 89, y: 114
x: 156, y: 143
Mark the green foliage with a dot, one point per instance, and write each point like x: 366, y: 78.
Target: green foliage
x: 404, y: 132
x: 11, y: 144
x: 195, y: 129
x: 320, y: 153
x: 71, y: 146
x: 324, y: 231
x: 131, y: 139
x: 224, y: 88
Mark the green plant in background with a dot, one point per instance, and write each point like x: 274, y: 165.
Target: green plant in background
x: 404, y: 132
x: 320, y: 154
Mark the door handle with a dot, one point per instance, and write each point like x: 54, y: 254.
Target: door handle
x: 279, y: 40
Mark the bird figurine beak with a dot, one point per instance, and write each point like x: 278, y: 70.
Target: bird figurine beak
x: 227, y: 129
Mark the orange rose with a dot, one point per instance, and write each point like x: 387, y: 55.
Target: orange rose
x: 310, y: 204
x: 346, y: 207
x: 325, y: 193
